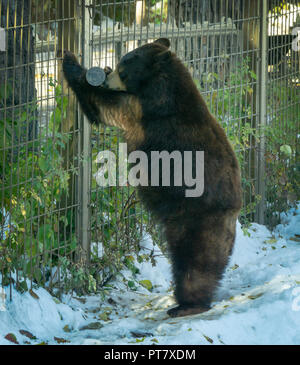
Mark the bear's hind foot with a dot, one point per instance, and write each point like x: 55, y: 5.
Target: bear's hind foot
x: 185, y: 310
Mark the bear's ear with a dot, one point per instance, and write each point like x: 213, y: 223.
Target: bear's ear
x: 163, y: 56
x: 163, y: 41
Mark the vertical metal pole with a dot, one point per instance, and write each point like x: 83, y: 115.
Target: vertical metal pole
x: 85, y: 132
x: 262, y: 108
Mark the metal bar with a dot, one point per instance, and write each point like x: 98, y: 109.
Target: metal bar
x: 262, y: 111
x: 85, y: 136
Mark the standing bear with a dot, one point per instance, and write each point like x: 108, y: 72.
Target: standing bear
x: 151, y: 96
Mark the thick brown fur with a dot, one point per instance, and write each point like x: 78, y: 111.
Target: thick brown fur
x: 155, y: 101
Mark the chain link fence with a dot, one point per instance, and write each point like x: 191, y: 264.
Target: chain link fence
x: 58, y: 227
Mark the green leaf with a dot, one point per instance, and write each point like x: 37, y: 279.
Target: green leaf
x: 286, y: 150
x: 44, y: 164
x: 57, y: 301
x: 92, y: 326
x: 46, y: 237
x: 103, y: 316
x: 66, y: 328
x: 271, y: 241
x: 22, y: 287
x: 131, y: 284
x: 210, y: 340
x: 31, y: 246
x: 255, y: 296
x: 37, y: 275
x: 146, y: 284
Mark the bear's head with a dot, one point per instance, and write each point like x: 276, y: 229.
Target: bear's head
x: 139, y: 67
x: 147, y: 73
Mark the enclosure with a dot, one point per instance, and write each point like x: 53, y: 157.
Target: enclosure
x: 58, y: 227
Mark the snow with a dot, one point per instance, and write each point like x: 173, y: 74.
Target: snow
x: 41, y: 317
x: 258, y: 301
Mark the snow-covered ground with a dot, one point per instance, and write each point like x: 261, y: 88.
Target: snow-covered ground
x: 258, y: 302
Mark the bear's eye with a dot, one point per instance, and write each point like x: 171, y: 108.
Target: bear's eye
x: 122, y: 73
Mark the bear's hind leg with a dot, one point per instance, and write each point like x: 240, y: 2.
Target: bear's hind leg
x: 199, y: 258
x: 195, y: 284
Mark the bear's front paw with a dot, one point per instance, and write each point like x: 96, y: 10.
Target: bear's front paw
x: 70, y: 58
x: 72, y: 70
x: 184, y: 310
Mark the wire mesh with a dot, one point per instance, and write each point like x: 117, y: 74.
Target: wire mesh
x: 38, y: 145
x: 52, y: 207
x: 283, y: 110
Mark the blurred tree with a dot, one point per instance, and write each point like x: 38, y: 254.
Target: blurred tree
x: 17, y: 70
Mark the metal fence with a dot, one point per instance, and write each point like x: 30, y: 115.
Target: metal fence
x: 55, y: 221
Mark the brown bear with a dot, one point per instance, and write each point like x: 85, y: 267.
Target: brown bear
x: 151, y: 96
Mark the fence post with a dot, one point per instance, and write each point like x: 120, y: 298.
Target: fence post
x: 68, y: 39
x: 262, y: 111
x: 85, y: 136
